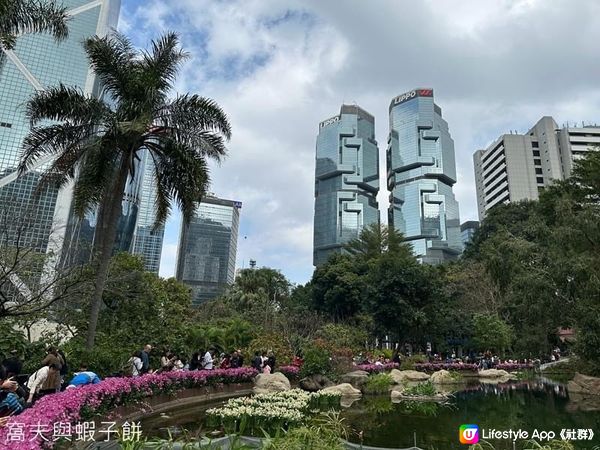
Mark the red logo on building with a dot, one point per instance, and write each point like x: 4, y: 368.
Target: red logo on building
x: 425, y: 92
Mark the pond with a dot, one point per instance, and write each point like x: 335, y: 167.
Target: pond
x: 528, y: 405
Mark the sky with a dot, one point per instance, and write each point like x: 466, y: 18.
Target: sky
x: 279, y: 67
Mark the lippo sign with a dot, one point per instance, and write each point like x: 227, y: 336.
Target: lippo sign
x: 412, y: 94
x: 329, y: 121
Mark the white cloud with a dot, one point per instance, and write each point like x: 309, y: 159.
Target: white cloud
x: 279, y: 67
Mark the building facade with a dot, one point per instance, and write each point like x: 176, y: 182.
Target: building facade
x: 467, y: 231
x: 346, y: 180
x: 207, y: 248
x: 421, y: 171
x: 38, y: 62
x: 519, y: 166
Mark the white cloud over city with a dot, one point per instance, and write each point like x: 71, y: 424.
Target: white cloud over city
x: 280, y: 67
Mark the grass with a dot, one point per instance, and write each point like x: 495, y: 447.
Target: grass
x: 426, y: 389
x: 378, y: 384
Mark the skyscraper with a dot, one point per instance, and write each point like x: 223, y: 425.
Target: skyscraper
x: 346, y: 180
x: 207, y: 248
x: 421, y: 171
x: 519, y: 166
x: 38, y: 62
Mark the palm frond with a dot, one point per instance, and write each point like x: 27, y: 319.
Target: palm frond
x: 52, y: 140
x: 161, y: 66
x: 112, y: 59
x: 32, y: 16
x: 61, y: 103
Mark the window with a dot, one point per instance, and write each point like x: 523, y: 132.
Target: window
x: 536, y: 153
x: 535, y: 144
x: 538, y: 171
x: 540, y: 180
x: 5, y: 125
x: 537, y: 162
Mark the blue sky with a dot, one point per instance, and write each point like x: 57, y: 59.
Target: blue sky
x: 279, y: 67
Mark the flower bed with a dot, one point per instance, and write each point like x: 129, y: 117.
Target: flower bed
x: 289, y: 371
x: 509, y: 367
x: 376, y: 368
x: 434, y: 367
x: 269, y: 412
x: 84, y: 403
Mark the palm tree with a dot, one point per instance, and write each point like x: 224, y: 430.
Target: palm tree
x: 31, y: 16
x: 102, y: 141
x: 375, y: 240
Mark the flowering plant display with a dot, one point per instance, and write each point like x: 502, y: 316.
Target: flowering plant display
x: 433, y: 367
x: 37, y: 424
x: 269, y: 412
x: 289, y: 371
x: 376, y: 368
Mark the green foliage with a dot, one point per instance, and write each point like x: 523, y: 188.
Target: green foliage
x: 426, y: 389
x: 491, y: 333
x: 343, y: 336
x: 317, y: 360
x: 378, y: 384
x: 265, y: 342
x: 306, y: 438
x: 408, y: 363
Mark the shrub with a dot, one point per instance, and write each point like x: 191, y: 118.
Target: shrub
x: 271, y: 341
x: 408, y: 363
x: 426, y: 389
x: 376, y: 368
x: 317, y: 360
x: 378, y: 383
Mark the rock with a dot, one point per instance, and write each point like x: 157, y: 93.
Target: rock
x: 398, y: 395
x: 443, y: 377
x: 273, y: 382
x: 401, y: 376
x: 494, y: 373
x: 345, y: 389
x: 584, y: 384
x: 314, y: 383
x: 358, y: 378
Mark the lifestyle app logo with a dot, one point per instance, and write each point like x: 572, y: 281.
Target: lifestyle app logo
x: 468, y: 434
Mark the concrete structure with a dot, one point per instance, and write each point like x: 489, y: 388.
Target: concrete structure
x: 519, y: 166
x: 467, y: 231
x: 38, y: 62
x: 346, y: 180
x: 207, y: 248
x: 421, y: 171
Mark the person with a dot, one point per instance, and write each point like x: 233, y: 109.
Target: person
x: 64, y: 368
x: 207, y: 361
x: 271, y: 360
x: 167, y: 361
x: 13, y: 364
x: 10, y: 402
x: 135, y: 366
x: 196, y: 361
x: 83, y: 377
x: 267, y: 369
x: 225, y: 362
x: 234, y: 361
x: 257, y: 362
x: 240, y: 358
x: 145, y: 357
x: 38, y: 382
x: 53, y: 357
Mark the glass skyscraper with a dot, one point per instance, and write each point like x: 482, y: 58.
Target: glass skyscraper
x: 421, y: 171
x: 346, y: 180
x: 38, y: 62
x: 208, y: 247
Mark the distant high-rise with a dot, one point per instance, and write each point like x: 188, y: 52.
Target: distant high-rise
x: 38, y: 62
x: 207, y: 248
x: 467, y: 231
x: 519, y: 166
x: 421, y: 171
x: 346, y: 180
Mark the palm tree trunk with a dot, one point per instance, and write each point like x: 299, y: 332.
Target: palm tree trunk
x: 106, y: 234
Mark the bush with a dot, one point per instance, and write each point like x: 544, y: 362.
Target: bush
x: 408, y: 363
x: 378, y: 383
x: 426, y: 389
x: 271, y: 341
x: 317, y: 360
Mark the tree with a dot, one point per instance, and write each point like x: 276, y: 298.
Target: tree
x: 31, y: 16
x: 491, y: 333
x: 102, y: 140
x: 375, y: 240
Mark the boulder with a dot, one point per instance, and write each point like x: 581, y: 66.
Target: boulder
x: 272, y: 382
x: 314, y: 383
x: 346, y: 389
x: 443, y: 377
x: 401, y: 376
x: 358, y: 378
x: 494, y: 373
x: 584, y: 384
